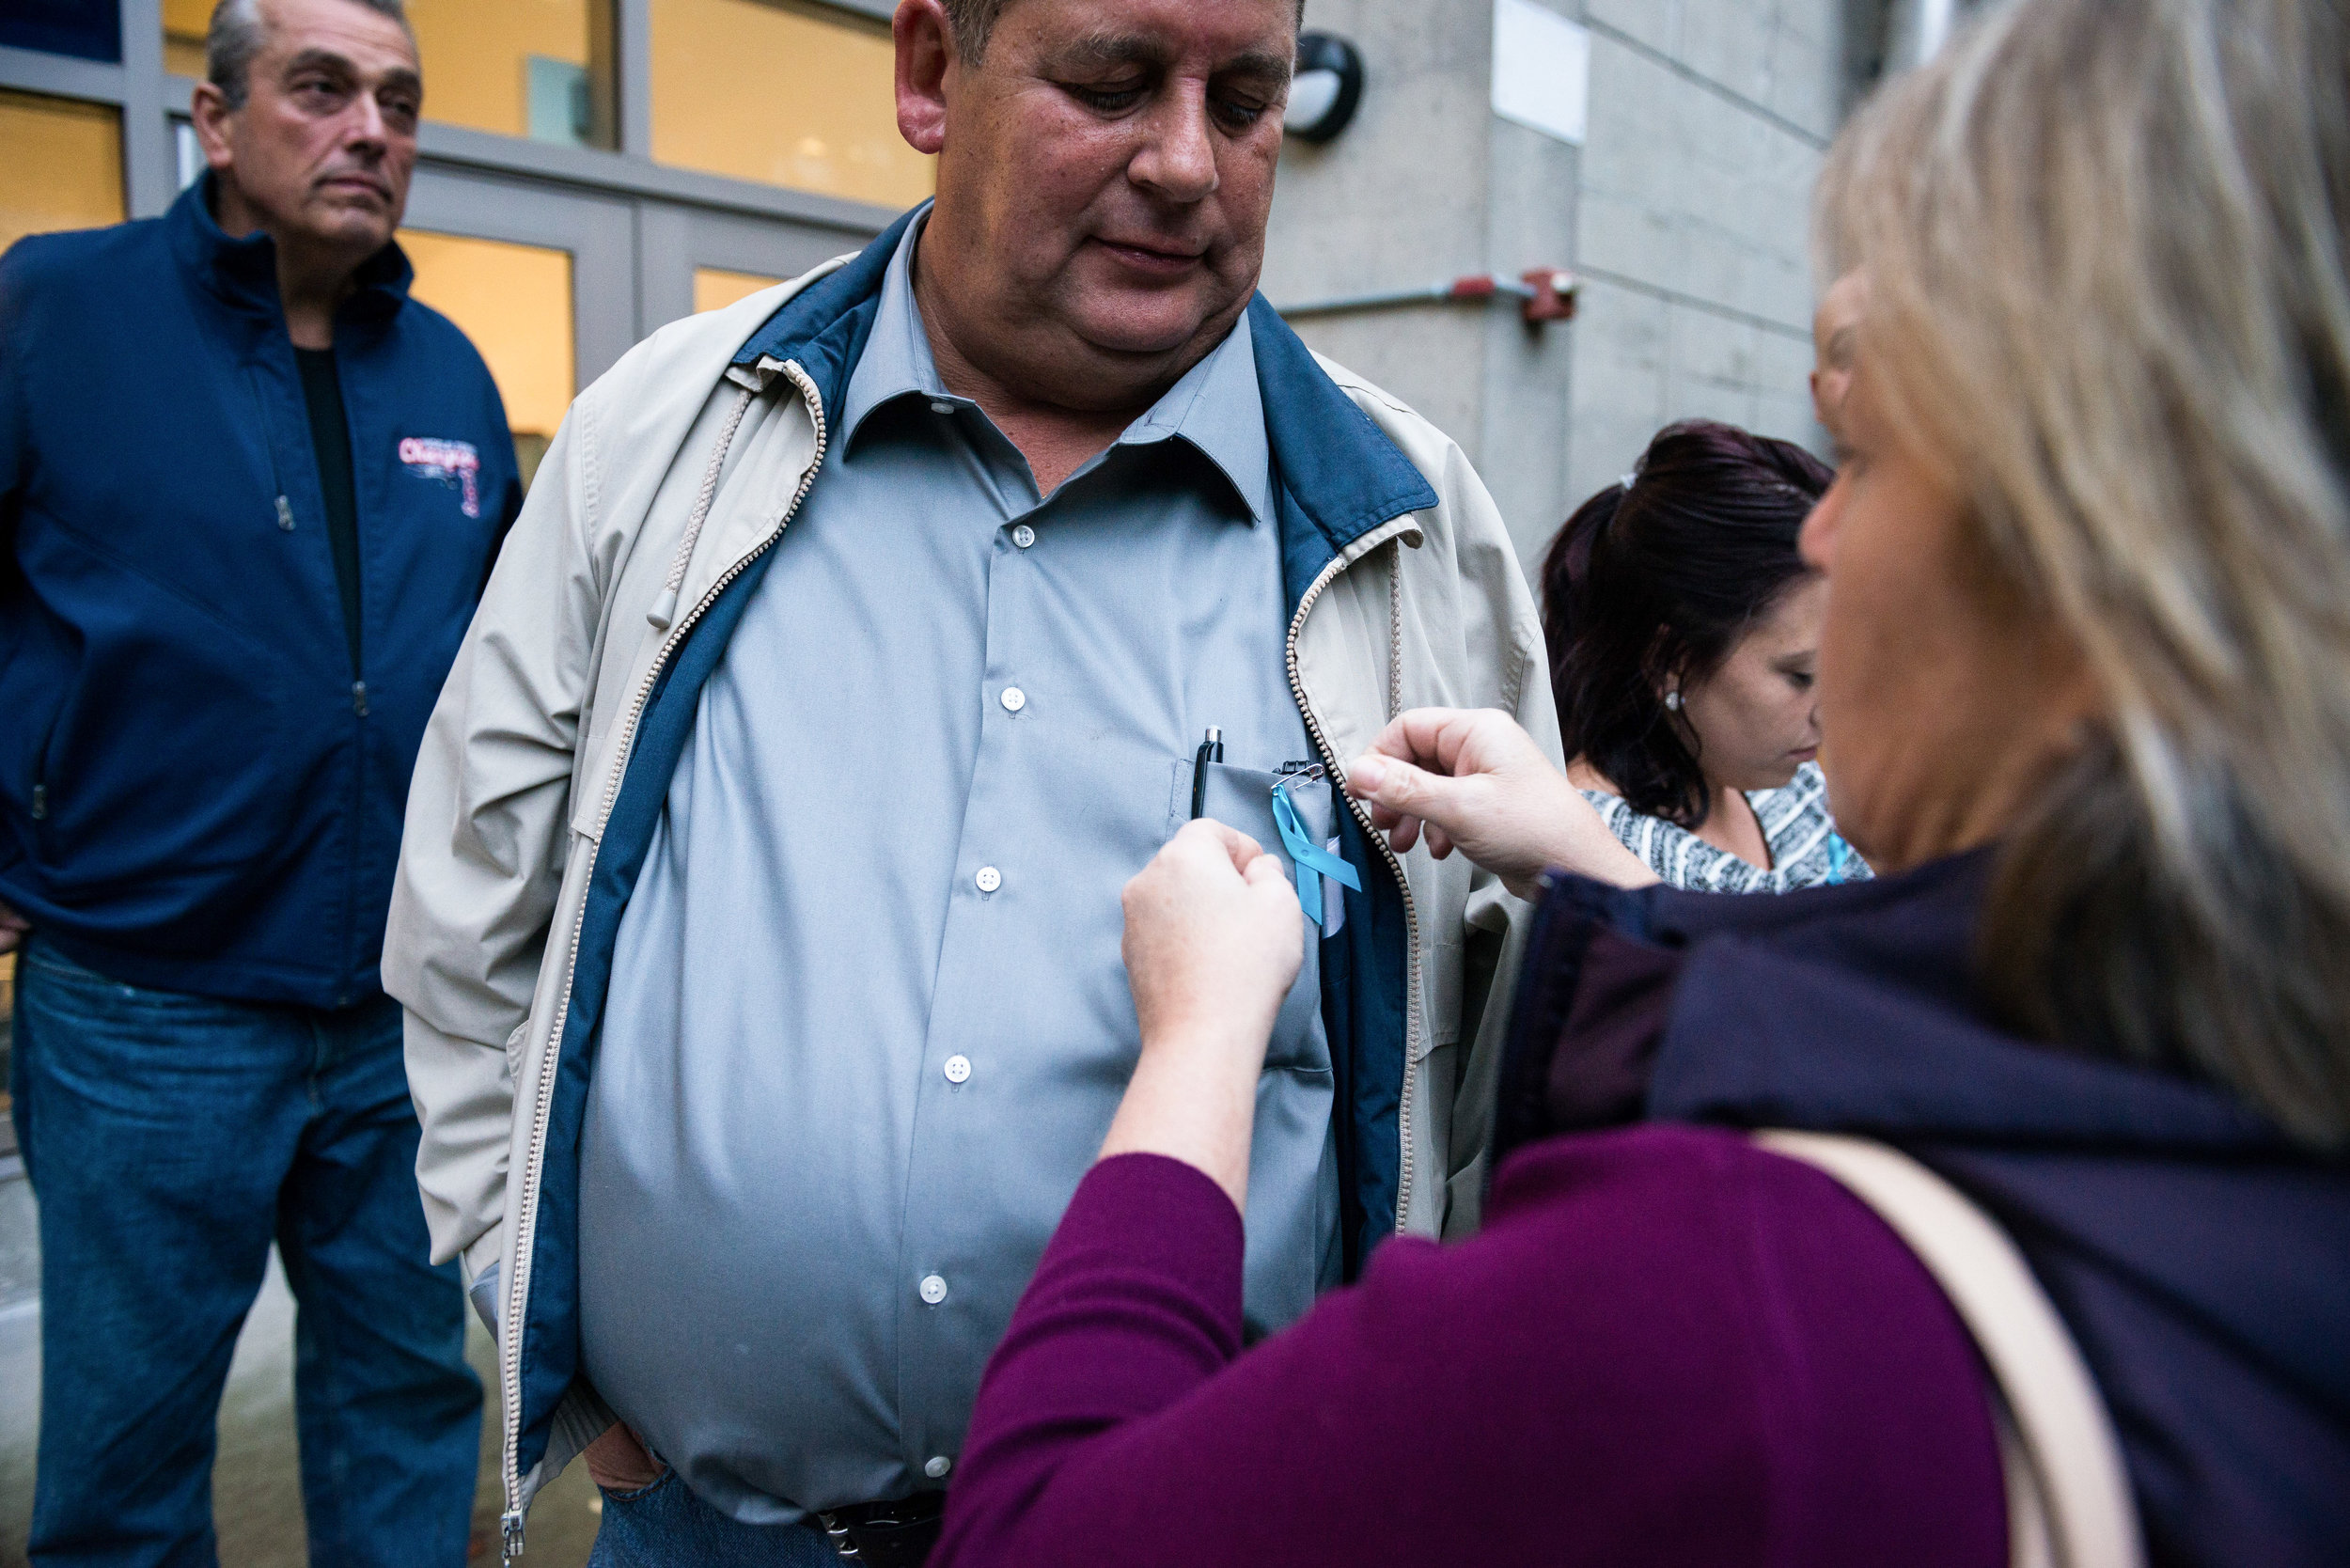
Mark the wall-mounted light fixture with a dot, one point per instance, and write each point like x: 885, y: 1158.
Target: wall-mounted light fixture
x: 1327, y: 88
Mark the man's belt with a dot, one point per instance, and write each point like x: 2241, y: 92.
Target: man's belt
x: 887, y: 1534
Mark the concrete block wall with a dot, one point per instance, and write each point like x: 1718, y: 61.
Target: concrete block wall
x: 1400, y: 198
x: 1709, y: 123
x: 1685, y: 211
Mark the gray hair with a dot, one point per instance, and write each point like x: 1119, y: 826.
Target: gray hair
x: 2142, y: 394
x: 239, y: 31
x: 972, y: 20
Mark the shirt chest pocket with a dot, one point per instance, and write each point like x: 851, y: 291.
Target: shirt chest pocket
x: 1242, y: 798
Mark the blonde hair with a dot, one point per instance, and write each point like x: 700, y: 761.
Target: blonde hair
x: 2105, y: 243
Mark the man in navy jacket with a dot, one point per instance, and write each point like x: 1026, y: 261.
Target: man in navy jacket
x: 249, y: 492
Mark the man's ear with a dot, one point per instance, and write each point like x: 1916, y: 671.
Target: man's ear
x: 926, y: 52
x: 207, y: 107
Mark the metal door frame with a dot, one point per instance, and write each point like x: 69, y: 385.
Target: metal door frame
x: 672, y: 240
x: 596, y: 230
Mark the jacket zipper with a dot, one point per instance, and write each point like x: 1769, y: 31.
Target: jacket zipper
x: 355, y: 636
x: 279, y: 505
x: 41, y: 759
x: 526, y: 1212
x: 1395, y: 867
x: 283, y: 508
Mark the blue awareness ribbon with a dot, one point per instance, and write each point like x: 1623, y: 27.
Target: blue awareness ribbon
x: 1313, y: 862
x: 1839, y: 852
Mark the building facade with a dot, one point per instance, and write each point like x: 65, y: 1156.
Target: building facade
x: 1682, y: 208
x: 592, y: 169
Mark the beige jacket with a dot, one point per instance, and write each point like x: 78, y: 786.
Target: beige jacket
x: 669, y: 475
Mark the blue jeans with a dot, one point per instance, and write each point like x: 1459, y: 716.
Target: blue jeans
x: 665, y: 1525
x: 169, y: 1139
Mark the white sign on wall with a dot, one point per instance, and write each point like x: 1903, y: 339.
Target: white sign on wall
x: 1542, y: 69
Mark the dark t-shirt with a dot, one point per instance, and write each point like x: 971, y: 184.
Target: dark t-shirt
x: 330, y: 438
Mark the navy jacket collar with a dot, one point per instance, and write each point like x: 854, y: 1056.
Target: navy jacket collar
x: 1849, y: 1009
x: 243, y: 272
x: 1340, y: 470
x: 1336, y: 476
x: 824, y: 325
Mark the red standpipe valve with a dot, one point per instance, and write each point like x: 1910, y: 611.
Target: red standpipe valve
x: 1551, y: 295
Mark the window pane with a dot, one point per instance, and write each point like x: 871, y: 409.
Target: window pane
x: 715, y: 287
x: 89, y: 28
x: 541, y: 69
x: 515, y: 303
x: 184, y: 21
x: 64, y: 167
x: 784, y: 94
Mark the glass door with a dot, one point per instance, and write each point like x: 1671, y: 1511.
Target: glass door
x: 543, y: 280
x: 812, y: 104
x: 515, y: 302
x: 694, y: 260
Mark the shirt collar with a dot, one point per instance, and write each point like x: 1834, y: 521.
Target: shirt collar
x: 1218, y: 408
x: 897, y: 360
x: 1215, y: 407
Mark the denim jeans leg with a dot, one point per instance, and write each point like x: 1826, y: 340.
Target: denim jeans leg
x: 157, y: 1128
x: 389, y: 1413
x: 665, y: 1525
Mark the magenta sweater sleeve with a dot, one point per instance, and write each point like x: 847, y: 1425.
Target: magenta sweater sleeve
x: 1666, y: 1347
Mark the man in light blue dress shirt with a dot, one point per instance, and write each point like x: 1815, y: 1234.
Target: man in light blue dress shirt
x: 867, y: 1009
x: 759, y: 917
x: 866, y: 1015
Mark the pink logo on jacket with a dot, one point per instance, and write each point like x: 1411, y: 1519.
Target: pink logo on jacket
x: 452, y: 463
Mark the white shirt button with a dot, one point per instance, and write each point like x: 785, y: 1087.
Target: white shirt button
x: 940, y: 405
x: 958, y: 1069
x: 1014, y: 699
x: 934, y: 1289
x: 1023, y: 535
x: 937, y: 1466
x: 989, y: 879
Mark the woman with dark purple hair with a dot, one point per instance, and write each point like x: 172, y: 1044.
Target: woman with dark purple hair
x: 1683, y: 629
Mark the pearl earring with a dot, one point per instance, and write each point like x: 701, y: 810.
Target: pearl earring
x: 1673, y: 701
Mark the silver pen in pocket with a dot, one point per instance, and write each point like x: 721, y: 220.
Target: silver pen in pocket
x: 1211, y: 750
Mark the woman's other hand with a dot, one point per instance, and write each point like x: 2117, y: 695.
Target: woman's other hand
x: 1214, y: 941
x: 1471, y: 779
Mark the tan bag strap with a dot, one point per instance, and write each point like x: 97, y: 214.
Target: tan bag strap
x: 2069, y: 1503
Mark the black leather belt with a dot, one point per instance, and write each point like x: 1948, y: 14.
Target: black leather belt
x: 887, y: 1534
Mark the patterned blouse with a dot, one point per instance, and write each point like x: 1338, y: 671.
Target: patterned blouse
x: 1805, y: 849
